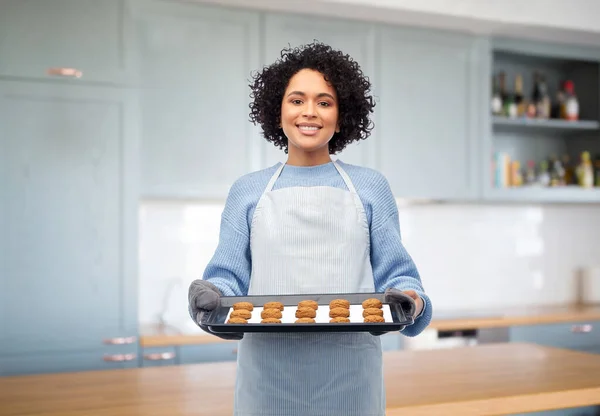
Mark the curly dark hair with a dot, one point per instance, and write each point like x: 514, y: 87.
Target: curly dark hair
x: 339, y: 69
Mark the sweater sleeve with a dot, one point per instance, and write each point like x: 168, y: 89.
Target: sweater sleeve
x: 392, y: 265
x: 230, y: 267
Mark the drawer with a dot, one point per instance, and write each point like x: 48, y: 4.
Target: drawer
x: 575, y: 335
x: 158, y: 356
x: 192, y: 354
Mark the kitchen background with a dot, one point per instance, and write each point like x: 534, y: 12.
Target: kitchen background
x: 124, y: 123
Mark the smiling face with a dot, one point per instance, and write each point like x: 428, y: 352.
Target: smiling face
x: 309, y: 117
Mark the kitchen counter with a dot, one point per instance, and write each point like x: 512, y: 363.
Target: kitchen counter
x: 482, y: 380
x: 155, y: 336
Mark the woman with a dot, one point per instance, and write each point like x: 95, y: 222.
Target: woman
x: 310, y: 225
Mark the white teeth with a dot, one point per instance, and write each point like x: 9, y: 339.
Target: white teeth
x: 308, y: 128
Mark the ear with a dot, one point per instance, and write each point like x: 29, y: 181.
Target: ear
x: 337, y: 128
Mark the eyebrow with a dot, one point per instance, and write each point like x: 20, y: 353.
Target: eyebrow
x: 323, y: 94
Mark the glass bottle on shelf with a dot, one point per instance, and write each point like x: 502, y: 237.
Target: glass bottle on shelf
x: 530, y: 173
x: 534, y: 103
x: 544, y: 103
x: 585, y: 171
x: 570, y: 104
x: 496, y: 97
x: 597, y: 170
x: 557, y: 106
x: 569, y: 170
x: 519, y: 99
x: 544, y: 175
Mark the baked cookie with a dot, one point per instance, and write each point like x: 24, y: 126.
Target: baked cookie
x: 270, y: 321
x: 340, y: 320
x: 374, y: 318
x: 339, y: 303
x: 305, y: 313
x: 243, y: 305
x: 372, y: 312
x: 273, y: 305
x: 241, y: 313
x: 339, y: 312
x: 372, y: 303
x: 309, y: 304
x: 305, y: 321
x: 235, y: 320
x: 270, y: 313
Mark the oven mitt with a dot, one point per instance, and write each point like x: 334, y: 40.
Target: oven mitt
x: 406, y: 303
x: 204, y: 297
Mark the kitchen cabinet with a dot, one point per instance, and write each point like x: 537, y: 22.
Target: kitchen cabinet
x: 68, y: 227
x: 523, y: 140
x: 195, y: 64
x: 581, y: 336
x: 354, y: 38
x: 89, y: 36
x: 429, y: 84
x: 191, y: 354
x: 158, y: 357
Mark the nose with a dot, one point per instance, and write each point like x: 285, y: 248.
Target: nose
x: 309, y: 110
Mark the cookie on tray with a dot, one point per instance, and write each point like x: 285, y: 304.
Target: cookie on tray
x: 340, y: 320
x: 339, y: 303
x: 305, y: 321
x: 374, y: 318
x: 241, y: 313
x: 372, y: 303
x: 372, y: 312
x: 270, y: 321
x: 235, y: 320
x: 339, y: 313
x: 270, y: 313
x: 273, y: 305
x: 309, y: 304
x: 243, y: 305
x: 305, y: 313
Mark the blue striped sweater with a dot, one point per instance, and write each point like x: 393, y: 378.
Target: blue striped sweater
x: 230, y: 267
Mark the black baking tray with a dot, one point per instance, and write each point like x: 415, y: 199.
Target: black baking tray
x: 402, y: 314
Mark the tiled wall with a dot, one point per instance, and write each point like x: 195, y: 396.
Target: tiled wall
x: 469, y: 256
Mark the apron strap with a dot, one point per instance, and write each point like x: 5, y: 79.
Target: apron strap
x: 274, y: 178
x: 345, y: 177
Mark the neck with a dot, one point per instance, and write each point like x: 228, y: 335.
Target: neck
x: 297, y: 157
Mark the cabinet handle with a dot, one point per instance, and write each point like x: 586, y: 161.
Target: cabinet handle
x: 119, y: 357
x: 159, y: 356
x: 65, y: 72
x: 120, y: 340
x: 582, y: 329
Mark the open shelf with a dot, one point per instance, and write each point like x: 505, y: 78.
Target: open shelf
x: 528, y: 124
x: 533, y: 194
x: 519, y: 141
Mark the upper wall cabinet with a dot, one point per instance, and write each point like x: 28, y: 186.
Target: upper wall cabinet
x: 87, y: 40
x: 354, y: 38
x: 428, y: 132
x: 195, y: 68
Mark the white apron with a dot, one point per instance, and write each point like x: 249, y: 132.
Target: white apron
x: 308, y: 240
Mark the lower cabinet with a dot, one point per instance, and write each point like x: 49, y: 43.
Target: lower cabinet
x: 579, y: 336
x: 158, y: 356
x: 193, y: 354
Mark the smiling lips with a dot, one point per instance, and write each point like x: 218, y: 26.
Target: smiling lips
x: 309, y: 129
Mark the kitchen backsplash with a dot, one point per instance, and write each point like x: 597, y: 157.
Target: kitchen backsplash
x: 469, y: 256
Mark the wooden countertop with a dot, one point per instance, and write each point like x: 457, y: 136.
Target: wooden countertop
x: 154, y: 336
x: 482, y: 380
